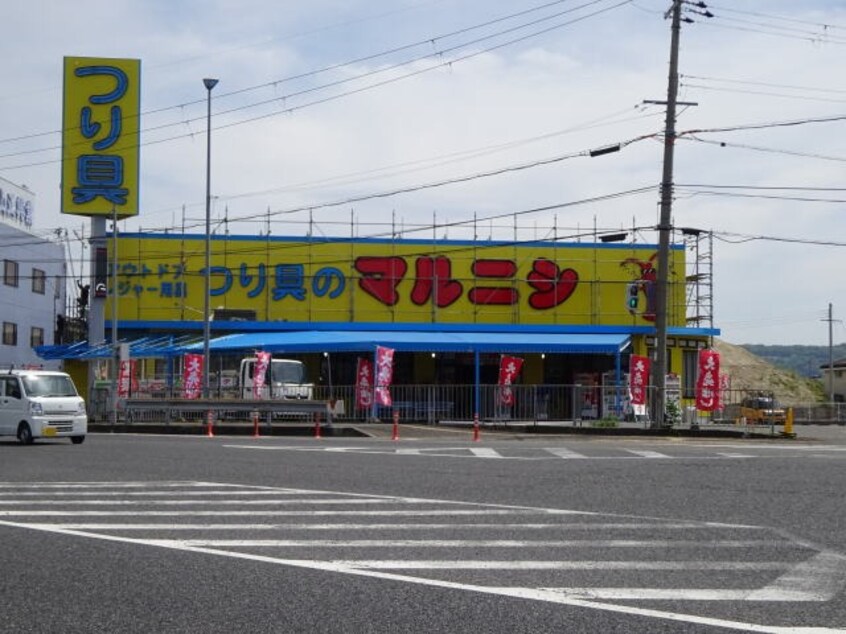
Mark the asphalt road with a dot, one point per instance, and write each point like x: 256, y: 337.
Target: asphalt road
x: 425, y: 534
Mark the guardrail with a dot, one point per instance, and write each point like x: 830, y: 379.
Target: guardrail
x: 431, y: 404
x: 178, y: 409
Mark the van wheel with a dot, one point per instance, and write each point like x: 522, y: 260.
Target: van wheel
x: 77, y: 440
x: 24, y: 434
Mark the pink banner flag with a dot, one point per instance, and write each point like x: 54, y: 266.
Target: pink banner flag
x: 192, y: 376
x: 262, y: 362
x: 707, y: 385
x: 638, y: 378
x: 509, y: 368
x: 384, y: 375
x: 364, y: 384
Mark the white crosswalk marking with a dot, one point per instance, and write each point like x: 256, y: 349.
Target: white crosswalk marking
x: 558, y: 556
x: 593, y: 451
x: 648, y: 454
x: 485, y: 452
x: 569, y: 454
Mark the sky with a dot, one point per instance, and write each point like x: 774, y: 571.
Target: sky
x: 366, y: 117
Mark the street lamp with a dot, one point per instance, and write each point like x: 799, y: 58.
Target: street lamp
x: 209, y: 84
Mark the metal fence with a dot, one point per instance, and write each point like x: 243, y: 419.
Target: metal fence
x: 431, y: 404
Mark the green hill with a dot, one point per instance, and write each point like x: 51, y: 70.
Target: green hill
x: 803, y: 360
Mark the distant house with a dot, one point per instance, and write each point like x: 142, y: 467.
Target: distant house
x: 838, y: 382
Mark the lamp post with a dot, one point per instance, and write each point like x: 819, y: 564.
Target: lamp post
x: 209, y: 84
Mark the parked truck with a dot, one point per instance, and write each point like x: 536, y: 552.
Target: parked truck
x: 283, y: 379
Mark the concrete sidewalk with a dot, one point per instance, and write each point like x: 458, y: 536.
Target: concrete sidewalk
x: 457, y: 429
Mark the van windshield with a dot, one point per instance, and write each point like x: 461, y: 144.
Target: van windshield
x: 287, y: 371
x: 48, y: 385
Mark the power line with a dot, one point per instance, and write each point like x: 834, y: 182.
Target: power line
x: 150, y: 257
x: 762, y: 93
x: 750, y: 82
x: 290, y: 110
x: 823, y: 25
x: 434, y: 184
x: 806, y: 38
x: 740, y: 238
x: 804, y: 199
x: 771, y: 124
x: 312, y: 73
x: 769, y: 150
x: 408, y: 167
x: 766, y: 187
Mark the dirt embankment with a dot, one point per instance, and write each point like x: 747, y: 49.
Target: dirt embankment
x: 749, y: 372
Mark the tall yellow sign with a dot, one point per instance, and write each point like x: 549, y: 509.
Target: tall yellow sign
x: 100, y: 136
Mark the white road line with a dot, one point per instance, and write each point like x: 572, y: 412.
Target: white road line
x: 399, y: 564
x: 726, y: 454
x: 111, y: 485
x: 229, y: 492
x: 648, y: 454
x: 269, y: 513
x: 464, y: 543
x: 312, y: 501
x: 788, y: 447
x: 680, y: 594
x: 821, y: 577
x: 567, y: 454
x: 339, y: 567
x: 382, y: 527
x: 520, y: 593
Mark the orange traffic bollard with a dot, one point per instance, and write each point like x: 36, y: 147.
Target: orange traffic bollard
x: 475, y: 427
x: 255, y: 425
x: 317, y: 426
x: 210, y: 424
x: 395, y: 435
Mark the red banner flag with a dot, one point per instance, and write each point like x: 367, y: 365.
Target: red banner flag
x: 638, y: 378
x: 192, y: 376
x: 259, y: 373
x: 364, y: 384
x: 509, y: 369
x: 128, y: 378
x: 384, y: 375
x: 708, y: 383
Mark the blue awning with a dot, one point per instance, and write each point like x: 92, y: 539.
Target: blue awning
x: 145, y: 347
x: 418, y: 341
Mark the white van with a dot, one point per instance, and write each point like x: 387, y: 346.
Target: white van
x: 41, y: 404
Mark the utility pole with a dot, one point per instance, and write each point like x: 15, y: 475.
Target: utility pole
x: 830, y: 321
x: 659, y: 373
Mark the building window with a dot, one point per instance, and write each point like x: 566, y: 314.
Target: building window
x: 36, y: 337
x: 690, y: 366
x: 39, y: 281
x: 10, y: 273
x: 10, y: 334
